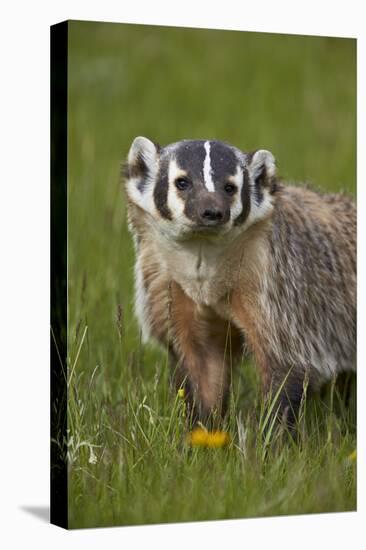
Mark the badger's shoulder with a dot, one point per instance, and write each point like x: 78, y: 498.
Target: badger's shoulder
x: 313, y: 237
x: 303, y: 206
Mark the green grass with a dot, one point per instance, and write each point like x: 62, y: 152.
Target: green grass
x: 128, y: 461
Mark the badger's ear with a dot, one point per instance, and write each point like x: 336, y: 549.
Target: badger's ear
x: 142, y: 158
x: 262, y: 169
x: 140, y: 172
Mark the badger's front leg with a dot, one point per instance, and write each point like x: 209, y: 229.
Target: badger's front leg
x: 202, y: 347
x: 205, y: 347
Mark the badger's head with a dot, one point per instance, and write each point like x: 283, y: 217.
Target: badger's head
x: 197, y: 188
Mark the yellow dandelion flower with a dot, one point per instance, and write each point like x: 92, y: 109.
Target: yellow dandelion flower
x: 180, y: 393
x: 203, y: 438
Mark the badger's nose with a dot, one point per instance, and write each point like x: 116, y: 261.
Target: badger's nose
x: 212, y: 216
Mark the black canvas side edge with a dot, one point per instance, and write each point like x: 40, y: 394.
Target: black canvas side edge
x: 59, y: 492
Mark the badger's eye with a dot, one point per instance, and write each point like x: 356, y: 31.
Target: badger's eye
x: 182, y: 183
x: 230, y: 188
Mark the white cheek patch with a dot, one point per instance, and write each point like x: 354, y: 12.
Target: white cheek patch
x: 207, y: 171
x: 175, y: 202
x: 237, y: 205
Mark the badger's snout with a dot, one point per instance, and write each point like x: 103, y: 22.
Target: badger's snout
x: 210, y: 211
x: 211, y: 216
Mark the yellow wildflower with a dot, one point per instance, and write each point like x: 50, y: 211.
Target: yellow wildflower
x: 181, y: 393
x: 353, y: 456
x: 203, y: 438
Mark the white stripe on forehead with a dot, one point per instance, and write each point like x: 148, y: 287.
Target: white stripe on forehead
x: 207, y: 173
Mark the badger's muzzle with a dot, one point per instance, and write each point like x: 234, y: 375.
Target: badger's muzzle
x: 211, y: 212
x: 211, y: 216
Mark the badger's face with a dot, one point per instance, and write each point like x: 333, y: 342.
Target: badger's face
x: 197, y: 188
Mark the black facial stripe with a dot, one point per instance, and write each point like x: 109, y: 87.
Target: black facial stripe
x: 245, y: 199
x: 190, y: 156
x: 161, y: 191
x: 224, y: 162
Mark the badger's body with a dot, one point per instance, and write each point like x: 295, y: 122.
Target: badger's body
x: 227, y: 256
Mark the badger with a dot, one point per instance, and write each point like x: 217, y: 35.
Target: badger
x: 230, y: 258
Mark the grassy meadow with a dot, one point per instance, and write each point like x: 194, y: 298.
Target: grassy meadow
x: 127, y: 457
